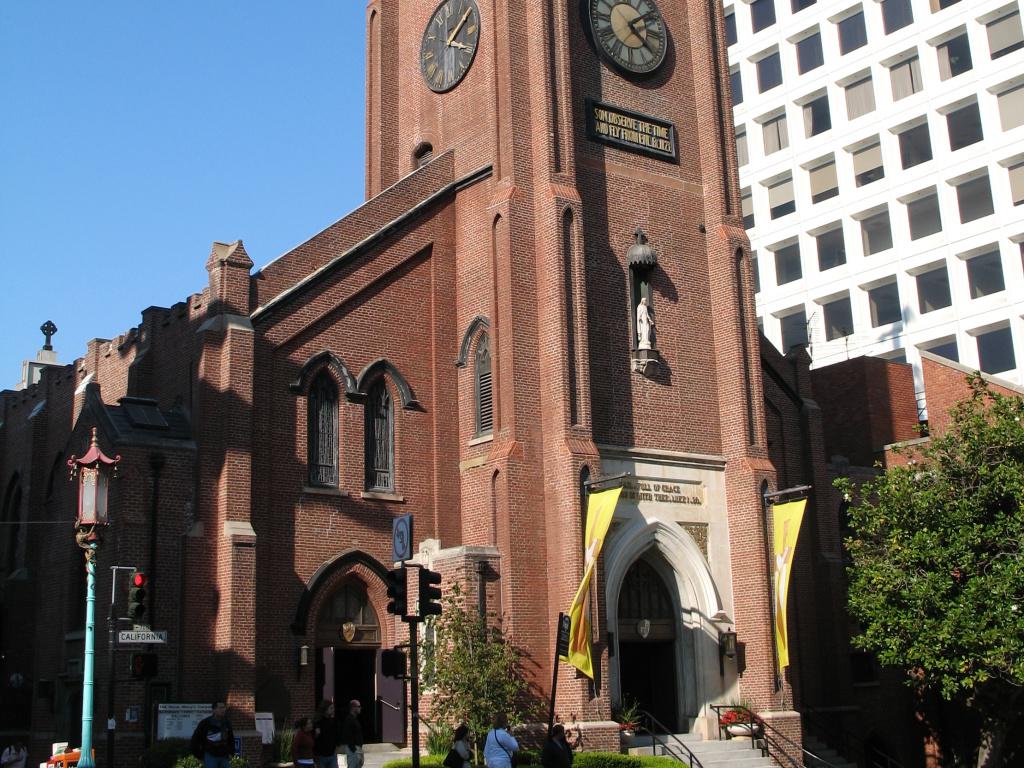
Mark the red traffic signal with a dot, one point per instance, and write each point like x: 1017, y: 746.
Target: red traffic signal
x: 143, y: 666
x: 137, y: 595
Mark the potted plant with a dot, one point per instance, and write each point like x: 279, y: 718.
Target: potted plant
x: 282, y: 749
x: 628, y: 717
x: 739, y: 721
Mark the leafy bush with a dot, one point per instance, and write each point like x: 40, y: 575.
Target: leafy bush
x: 164, y: 753
x: 283, y: 745
x: 433, y: 761
x: 237, y: 761
x: 527, y: 757
x: 474, y: 669
x: 440, y: 738
x: 188, y: 761
x: 615, y: 760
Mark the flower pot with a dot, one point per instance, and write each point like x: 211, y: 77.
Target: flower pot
x: 740, y: 730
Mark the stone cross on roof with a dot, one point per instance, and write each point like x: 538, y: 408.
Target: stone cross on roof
x: 48, y: 329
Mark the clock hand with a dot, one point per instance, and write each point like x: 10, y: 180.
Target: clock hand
x: 457, y: 44
x: 458, y: 26
x: 635, y: 31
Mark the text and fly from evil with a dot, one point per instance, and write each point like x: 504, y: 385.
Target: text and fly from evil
x: 668, y: 493
x: 645, y: 134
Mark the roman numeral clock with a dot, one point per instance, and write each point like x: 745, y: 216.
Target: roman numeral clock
x: 449, y: 44
x: 629, y: 33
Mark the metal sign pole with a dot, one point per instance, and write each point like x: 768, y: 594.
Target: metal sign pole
x: 415, y: 681
x: 561, y: 648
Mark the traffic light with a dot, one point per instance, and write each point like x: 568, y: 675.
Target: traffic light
x: 399, y: 599
x: 430, y: 593
x: 137, y: 596
x: 143, y: 665
x: 392, y: 663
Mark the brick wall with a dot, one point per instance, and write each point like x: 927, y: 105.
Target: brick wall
x: 867, y: 403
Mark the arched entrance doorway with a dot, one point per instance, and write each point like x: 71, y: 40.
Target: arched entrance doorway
x: 348, y: 639
x: 647, y: 633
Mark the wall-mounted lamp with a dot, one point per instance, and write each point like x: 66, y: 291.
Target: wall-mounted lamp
x: 726, y: 639
x: 303, y: 655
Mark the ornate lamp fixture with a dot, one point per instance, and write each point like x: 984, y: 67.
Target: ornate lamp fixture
x: 726, y: 639
x: 94, y: 471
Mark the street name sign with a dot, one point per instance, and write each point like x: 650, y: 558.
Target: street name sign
x: 142, y: 636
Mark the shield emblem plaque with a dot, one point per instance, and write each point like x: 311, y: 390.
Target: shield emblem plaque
x: 348, y: 631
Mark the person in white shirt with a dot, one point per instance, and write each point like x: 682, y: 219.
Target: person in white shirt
x: 500, y: 744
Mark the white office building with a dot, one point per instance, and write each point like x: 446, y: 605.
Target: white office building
x: 881, y: 151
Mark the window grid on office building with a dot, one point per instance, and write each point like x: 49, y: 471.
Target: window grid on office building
x: 905, y: 78
x: 933, y: 290
x: 1005, y: 35
x: 954, y: 57
x: 1011, y: 108
x: 824, y: 182
x: 780, y: 197
x: 860, y: 98
x: 955, y: 90
x: 775, y: 133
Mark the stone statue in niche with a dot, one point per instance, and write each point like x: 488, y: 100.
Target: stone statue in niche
x: 644, y: 324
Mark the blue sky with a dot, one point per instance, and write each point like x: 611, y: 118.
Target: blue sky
x: 134, y: 134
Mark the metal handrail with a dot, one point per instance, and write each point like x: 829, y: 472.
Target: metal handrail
x: 837, y: 737
x: 877, y: 758
x: 765, y: 727
x: 694, y: 761
x: 880, y: 759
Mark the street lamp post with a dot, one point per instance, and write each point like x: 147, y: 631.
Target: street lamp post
x: 94, y: 472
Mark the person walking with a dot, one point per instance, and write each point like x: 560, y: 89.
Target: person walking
x: 302, y: 743
x: 213, y: 740
x: 352, y: 735
x: 557, y: 753
x: 460, y: 746
x: 500, y: 744
x: 326, y: 736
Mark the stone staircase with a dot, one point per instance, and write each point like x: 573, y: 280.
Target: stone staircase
x: 375, y: 755
x: 726, y: 753
x: 829, y: 757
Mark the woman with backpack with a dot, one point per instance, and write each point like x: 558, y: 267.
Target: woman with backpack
x: 459, y: 755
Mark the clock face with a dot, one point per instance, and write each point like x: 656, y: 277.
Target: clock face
x: 631, y: 33
x: 449, y: 44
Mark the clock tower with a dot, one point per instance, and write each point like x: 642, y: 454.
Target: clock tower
x: 598, y: 239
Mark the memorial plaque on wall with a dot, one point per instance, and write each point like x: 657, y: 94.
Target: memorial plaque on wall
x: 631, y: 130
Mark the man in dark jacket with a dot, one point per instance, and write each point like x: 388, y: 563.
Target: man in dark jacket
x: 352, y: 735
x: 213, y: 741
x: 556, y: 753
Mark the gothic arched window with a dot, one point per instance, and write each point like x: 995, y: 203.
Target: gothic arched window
x: 12, y: 526
x: 380, y: 439
x: 323, y: 432
x: 484, y: 390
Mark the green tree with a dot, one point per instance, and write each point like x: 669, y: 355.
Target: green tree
x: 937, y: 579
x: 472, y: 669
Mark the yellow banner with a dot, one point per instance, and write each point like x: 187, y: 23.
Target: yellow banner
x: 786, y: 528
x: 600, y: 509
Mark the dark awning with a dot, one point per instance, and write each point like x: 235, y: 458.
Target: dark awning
x: 641, y: 253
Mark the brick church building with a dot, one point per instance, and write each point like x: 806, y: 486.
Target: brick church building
x: 469, y: 347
